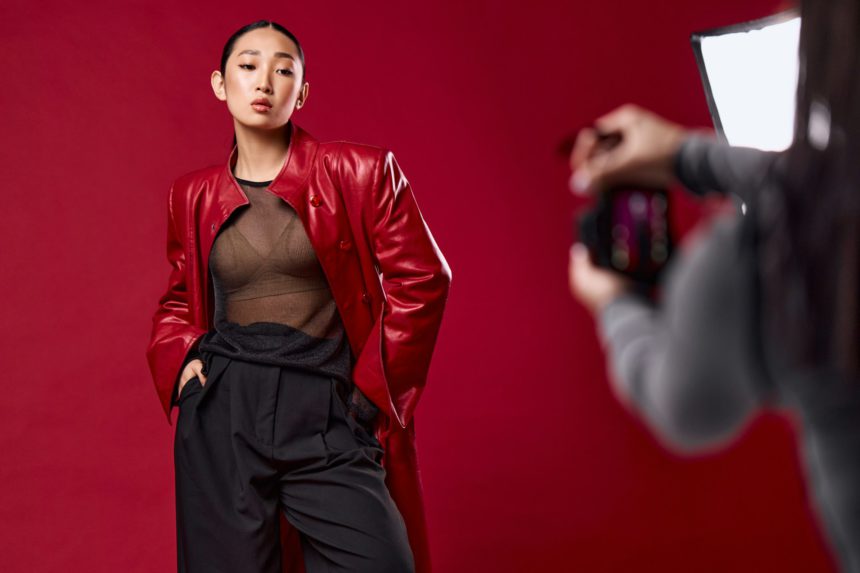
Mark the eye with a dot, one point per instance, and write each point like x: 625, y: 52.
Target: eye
x: 243, y: 65
x: 289, y: 72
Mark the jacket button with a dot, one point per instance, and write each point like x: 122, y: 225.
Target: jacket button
x: 365, y: 298
x: 316, y: 201
x: 213, y: 226
x: 344, y: 245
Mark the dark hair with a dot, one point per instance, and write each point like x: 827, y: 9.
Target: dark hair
x: 810, y: 263
x: 231, y: 42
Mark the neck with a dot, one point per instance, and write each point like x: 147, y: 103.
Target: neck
x: 261, y: 153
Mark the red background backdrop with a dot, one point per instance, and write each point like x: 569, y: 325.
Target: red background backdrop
x: 529, y: 463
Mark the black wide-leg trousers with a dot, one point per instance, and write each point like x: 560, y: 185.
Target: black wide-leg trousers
x: 257, y: 440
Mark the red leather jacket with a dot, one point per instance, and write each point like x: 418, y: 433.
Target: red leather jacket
x: 387, y: 275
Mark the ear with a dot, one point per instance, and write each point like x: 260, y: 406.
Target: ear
x: 303, y: 96
x: 217, y: 81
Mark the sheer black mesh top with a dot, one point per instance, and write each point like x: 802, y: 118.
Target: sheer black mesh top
x: 272, y: 301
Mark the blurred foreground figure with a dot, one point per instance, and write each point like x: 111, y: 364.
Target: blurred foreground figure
x: 763, y: 307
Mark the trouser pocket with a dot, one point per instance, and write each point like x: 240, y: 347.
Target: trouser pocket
x: 192, y: 386
x: 340, y: 397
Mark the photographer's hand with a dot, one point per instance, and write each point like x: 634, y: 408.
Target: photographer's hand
x: 594, y: 287
x: 643, y: 155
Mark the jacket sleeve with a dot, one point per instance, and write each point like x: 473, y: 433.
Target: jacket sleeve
x: 415, y: 281
x: 173, y: 338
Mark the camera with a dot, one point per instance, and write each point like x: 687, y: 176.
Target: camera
x: 628, y: 232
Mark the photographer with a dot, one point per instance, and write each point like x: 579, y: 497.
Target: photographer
x: 764, y: 307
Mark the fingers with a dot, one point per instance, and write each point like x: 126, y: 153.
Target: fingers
x: 646, y: 144
x: 620, y: 119
x: 199, y: 371
x: 192, y: 369
x: 579, y: 260
x: 580, y: 182
x: 599, y: 153
x: 593, y: 286
x: 578, y: 269
x: 578, y: 252
x: 607, y: 168
x: 583, y: 147
x: 600, y: 172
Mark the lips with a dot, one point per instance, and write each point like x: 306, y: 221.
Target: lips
x: 261, y: 102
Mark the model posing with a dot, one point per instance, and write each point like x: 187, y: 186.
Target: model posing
x: 302, y: 308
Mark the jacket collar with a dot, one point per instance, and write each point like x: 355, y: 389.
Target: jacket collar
x: 289, y: 182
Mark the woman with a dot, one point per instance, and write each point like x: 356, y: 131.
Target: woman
x: 764, y: 308
x: 296, y: 367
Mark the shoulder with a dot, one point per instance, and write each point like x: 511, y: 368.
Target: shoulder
x: 356, y: 163
x: 198, y: 176
x: 186, y: 185
x: 353, y: 151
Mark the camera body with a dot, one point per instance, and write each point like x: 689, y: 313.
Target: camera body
x: 628, y: 232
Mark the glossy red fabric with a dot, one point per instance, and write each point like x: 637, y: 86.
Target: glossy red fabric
x: 388, y: 277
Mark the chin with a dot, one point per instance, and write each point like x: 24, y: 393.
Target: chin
x: 262, y: 122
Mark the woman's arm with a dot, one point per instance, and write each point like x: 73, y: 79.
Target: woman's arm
x: 415, y: 279
x: 173, y: 337
x: 685, y: 365
x: 703, y: 164
x: 654, y: 151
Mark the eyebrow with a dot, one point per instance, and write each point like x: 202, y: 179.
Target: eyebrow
x: 277, y: 54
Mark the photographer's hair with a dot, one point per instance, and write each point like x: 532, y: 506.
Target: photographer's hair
x: 810, y: 263
x: 231, y: 42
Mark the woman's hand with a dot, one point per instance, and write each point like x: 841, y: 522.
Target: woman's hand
x: 644, y: 155
x: 594, y: 287
x: 192, y: 369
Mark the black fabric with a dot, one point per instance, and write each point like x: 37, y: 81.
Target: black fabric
x: 257, y: 440
x: 281, y: 345
x: 254, y: 183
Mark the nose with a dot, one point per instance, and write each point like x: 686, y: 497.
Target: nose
x: 265, y: 84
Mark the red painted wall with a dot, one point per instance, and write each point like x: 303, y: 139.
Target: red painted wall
x: 529, y: 463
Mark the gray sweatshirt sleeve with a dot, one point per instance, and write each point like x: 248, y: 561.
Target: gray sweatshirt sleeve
x: 705, y: 165
x: 686, y: 365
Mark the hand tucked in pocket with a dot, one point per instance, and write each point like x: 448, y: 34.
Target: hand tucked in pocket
x: 192, y: 369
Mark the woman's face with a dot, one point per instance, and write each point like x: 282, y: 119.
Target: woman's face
x: 264, y: 65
